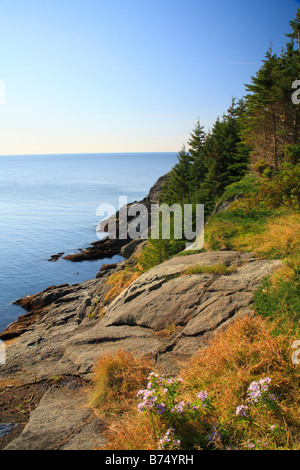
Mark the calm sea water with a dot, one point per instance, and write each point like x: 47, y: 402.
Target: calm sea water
x: 48, y: 205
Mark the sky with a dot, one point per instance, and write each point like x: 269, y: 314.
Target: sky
x: 93, y: 76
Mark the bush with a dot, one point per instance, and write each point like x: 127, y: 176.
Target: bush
x: 282, y: 190
x: 158, y: 251
x: 250, y: 184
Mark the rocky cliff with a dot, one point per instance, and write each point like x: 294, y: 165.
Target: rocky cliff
x: 167, y: 314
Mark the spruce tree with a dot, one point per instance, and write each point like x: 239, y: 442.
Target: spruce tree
x: 196, y: 141
x: 272, y: 121
x: 226, y: 158
x: 198, y: 169
x: 295, y: 25
x: 177, y: 187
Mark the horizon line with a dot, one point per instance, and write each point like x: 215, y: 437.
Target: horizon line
x: 82, y: 153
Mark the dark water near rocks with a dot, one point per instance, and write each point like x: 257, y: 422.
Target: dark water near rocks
x: 48, y: 205
x: 6, y: 428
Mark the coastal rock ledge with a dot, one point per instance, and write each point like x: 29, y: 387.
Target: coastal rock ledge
x: 165, y: 315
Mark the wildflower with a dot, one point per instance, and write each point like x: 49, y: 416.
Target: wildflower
x: 203, y: 395
x: 251, y: 445
x: 179, y: 408
x: 160, y: 408
x: 254, y: 396
x: 241, y: 410
x: 272, y: 427
x: 141, y: 407
x: 215, y: 434
x: 169, y: 441
x: 265, y: 380
x: 254, y: 387
x: 257, y: 391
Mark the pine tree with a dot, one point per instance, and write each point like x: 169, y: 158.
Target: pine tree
x: 196, y: 141
x: 272, y: 121
x: 262, y: 105
x: 177, y: 187
x: 295, y: 25
x: 226, y: 157
x: 198, y: 169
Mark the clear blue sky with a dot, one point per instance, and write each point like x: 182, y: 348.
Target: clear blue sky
x: 127, y: 75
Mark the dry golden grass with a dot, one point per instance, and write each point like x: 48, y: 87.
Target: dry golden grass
x: 120, y: 281
x: 116, y: 379
x: 245, y: 352
x: 280, y: 238
x: 131, y: 431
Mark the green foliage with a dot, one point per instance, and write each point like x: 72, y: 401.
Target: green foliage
x: 177, y: 187
x: 295, y: 25
x: 271, y: 121
x: 282, y: 190
x: 219, y: 269
x: 248, y: 185
x: 225, y: 156
x: 280, y: 301
x: 213, y: 162
x: 159, y: 250
x: 224, y: 228
x: 292, y: 154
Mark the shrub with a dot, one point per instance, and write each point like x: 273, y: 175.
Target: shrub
x: 250, y: 184
x: 158, y: 251
x: 282, y: 190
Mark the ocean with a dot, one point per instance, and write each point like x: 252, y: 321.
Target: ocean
x: 48, y: 205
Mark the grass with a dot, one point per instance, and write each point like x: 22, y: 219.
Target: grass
x: 116, y: 377
x: 247, y: 351
x: 278, y: 298
x: 218, y: 268
x: 226, y: 230
x: 120, y: 281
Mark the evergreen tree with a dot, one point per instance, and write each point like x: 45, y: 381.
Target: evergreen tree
x: 295, y: 25
x: 198, y: 169
x: 272, y: 121
x: 177, y: 187
x: 226, y: 157
x: 196, y: 141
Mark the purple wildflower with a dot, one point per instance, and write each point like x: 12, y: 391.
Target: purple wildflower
x: 160, y: 408
x: 179, y: 408
x: 169, y: 441
x: 257, y: 390
x: 241, y: 410
x: 203, y: 397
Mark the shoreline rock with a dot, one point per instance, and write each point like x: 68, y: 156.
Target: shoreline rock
x: 165, y: 315
x: 109, y: 247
